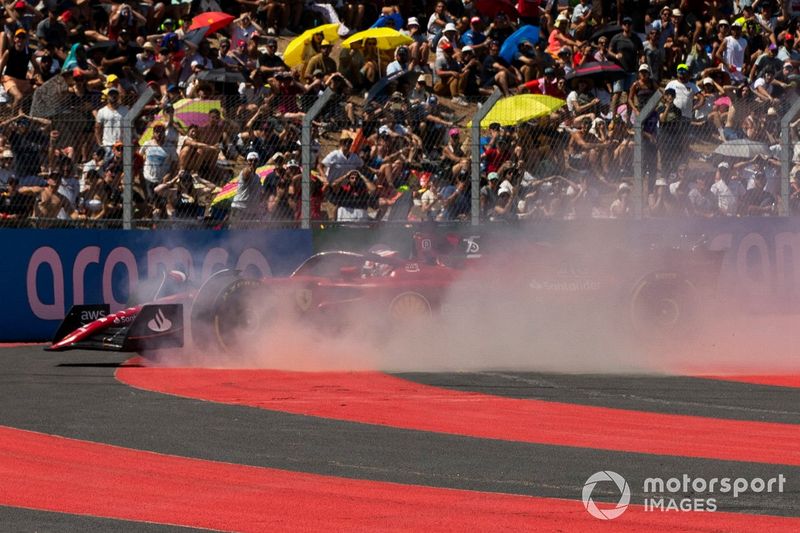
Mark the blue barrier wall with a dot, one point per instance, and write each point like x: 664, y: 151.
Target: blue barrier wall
x: 47, y: 271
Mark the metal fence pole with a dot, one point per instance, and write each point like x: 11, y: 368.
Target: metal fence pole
x: 305, y: 205
x: 786, y: 152
x: 638, y: 193
x: 483, y: 110
x: 127, y: 156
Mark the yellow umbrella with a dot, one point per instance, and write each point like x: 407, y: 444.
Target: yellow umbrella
x: 387, y: 38
x: 293, y: 55
x: 513, y: 110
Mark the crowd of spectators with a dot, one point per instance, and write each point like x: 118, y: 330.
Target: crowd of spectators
x: 392, y: 143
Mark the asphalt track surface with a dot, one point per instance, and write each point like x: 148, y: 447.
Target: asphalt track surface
x: 93, y: 441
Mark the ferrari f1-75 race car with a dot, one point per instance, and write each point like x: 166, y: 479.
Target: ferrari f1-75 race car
x: 653, y: 289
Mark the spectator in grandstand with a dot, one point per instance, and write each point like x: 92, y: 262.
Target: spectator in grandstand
x: 6, y: 169
x: 160, y: 160
x: 247, y: 206
x: 624, y: 48
x: 757, y: 201
x: 340, y: 162
x: 727, y: 190
x: 498, y: 72
x: 321, y: 61
x: 29, y: 138
x: 352, y: 193
x: 108, y: 125
x: 14, y: 64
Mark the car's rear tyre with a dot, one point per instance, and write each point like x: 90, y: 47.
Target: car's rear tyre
x: 663, y: 304
x: 409, y: 308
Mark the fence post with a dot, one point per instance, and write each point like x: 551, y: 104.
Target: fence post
x: 786, y: 153
x: 638, y: 193
x: 483, y: 110
x: 127, y: 156
x: 305, y: 140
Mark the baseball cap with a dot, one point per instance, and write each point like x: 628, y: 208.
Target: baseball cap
x: 7, y: 154
x: 723, y: 22
x: 708, y: 81
x: 292, y: 163
x: 252, y: 156
x: 473, y: 20
x: 111, y: 79
x: 20, y: 31
x: 677, y: 12
x: 466, y: 49
x: 644, y: 67
x: 317, y: 72
x: 422, y: 79
x: 683, y: 66
x: 724, y: 164
x: 493, y: 176
x: 454, y: 131
x: 627, y: 20
x: 384, y: 130
x: 505, y: 188
x: 325, y: 42
x: 548, y: 71
x: 450, y: 27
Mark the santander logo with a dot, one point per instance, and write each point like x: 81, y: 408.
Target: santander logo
x: 159, y: 323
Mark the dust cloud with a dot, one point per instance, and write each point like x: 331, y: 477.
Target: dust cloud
x: 493, y: 318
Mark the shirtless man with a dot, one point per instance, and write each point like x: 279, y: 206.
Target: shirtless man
x: 51, y: 202
x: 212, y: 135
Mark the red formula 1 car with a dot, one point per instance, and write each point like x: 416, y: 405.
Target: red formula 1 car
x: 653, y: 290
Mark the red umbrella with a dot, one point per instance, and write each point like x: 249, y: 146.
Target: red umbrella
x: 490, y: 8
x: 213, y: 20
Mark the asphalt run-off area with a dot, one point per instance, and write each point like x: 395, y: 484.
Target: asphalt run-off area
x: 94, y: 441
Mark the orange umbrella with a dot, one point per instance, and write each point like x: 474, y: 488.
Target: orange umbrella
x: 213, y: 20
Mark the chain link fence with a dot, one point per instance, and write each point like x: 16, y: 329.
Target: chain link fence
x: 281, y: 157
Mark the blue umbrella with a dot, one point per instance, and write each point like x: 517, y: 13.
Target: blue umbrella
x: 526, y: 33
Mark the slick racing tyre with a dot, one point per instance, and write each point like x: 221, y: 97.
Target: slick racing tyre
x: 241, y: 313
x: 409, y: 308
x: 662, y: 304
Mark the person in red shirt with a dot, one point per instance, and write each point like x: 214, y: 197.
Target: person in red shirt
x: 549, y: 84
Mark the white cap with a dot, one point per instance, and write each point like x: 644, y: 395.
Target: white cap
x: 661, y: 182
x: 644, y: 66
x: 505, y: 188
x: 412, y: 21
x: 292, y: 163
x: 723, y: 22
x: 384, y: 130
x: 708, y: 81
x: 493, y: 176
x: 677, y: 12
x: 252, y: 156
x: 196, y: 63
x: 450, y: 27
x: 467, y: 48
x: 623, y: 187
x: 724, y: 164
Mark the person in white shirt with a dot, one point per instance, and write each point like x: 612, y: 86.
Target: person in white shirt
x: 731, y: 52
x: 108, y: 126
x: 159, y: 160
x: 684, y: 91
x: 341, y: 161
x: 727, y: 190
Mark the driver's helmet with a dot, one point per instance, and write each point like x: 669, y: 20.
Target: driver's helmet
x: 376, y: 269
